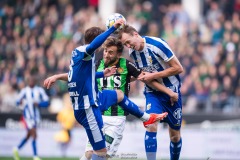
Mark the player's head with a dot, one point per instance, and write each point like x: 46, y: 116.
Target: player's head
x: 31, y: 81
x: 130, y: 38
x: 91, y: 34
x: 113, y: 49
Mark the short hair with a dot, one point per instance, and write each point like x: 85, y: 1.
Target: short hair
x: 113, y: 41
x: 91, y: 34
x: 126, y: 29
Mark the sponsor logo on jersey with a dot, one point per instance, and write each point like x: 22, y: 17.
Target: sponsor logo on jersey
x: 109, y: 139
x: 120, y: 70
x: 149, y: 106
x: 177, y: 113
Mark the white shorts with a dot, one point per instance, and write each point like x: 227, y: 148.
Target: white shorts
x: 113, y: 127
x: 31, y: 120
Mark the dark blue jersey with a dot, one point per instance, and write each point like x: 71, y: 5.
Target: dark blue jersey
x: 81, y: 77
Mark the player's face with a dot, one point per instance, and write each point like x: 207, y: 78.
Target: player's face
x: 110, y: 55
x: 134, y: 41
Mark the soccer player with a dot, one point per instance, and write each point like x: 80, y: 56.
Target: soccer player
x: 85, y: 96
x: 114, y: 118
x: 152, y: 54
x: 31, y: 97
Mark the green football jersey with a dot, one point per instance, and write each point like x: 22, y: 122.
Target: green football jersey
x: 120, y: 80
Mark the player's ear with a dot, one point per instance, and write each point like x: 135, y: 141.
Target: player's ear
x: 135, y: 34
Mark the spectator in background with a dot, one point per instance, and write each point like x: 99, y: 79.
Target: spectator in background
x: 31, y: 98
x: 23, y: 21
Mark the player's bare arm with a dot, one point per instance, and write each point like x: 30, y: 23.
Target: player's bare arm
x: 48, y: 82
x: 175, y: 68
x: 156, y: 85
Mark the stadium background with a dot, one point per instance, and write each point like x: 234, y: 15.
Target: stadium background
x: 37, y: 36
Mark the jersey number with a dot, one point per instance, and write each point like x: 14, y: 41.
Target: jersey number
x: 70, y: 73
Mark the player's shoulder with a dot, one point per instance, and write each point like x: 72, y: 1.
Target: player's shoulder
x: 129, y: 63
x: 156, y: 41
x: 81, y: 49
x: 150, y: 39
x: 37, y: 87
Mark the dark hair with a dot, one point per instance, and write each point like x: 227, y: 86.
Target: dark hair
x: 113, y: 41
x: 91, y: 34
x: 126, y: 29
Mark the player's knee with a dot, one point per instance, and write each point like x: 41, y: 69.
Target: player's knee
x: 88, y: 154
x: 175, y: 135
x: 175, y: 138
x: 120, y: 95
x: 101, y: 152
x: 153, y: 127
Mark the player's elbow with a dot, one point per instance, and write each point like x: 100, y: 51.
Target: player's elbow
x: 180, y: 69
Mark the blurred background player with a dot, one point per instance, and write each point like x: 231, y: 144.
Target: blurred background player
x: 31, y: 98
x: 67, y: 120
x: 154, y: 56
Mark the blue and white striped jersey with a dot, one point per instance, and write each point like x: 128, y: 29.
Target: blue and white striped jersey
x: 28, y: 96
x: 82, y: 84
x: 154, y: 58
x: 81, y: 79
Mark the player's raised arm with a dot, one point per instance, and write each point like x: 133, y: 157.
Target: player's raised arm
x: 98, y: 41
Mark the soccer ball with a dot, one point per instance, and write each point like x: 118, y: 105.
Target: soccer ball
x: 112, y: 19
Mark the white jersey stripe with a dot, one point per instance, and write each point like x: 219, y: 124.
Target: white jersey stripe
x: 94, y: 81
x: 86, y: 101
x: 93, y: 124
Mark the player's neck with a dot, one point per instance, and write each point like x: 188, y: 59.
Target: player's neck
x: 114, y: 63
x: 142, y: 44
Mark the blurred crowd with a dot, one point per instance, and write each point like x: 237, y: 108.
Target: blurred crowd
x: 37, y: 37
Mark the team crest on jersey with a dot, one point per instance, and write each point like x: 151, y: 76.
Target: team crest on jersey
x: 177, y: 113
x: 120, y: 70
x: 149, y: 106
x: 150, y: 59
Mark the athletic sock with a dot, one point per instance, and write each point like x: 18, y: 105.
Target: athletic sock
x: 131, y: 107
x: 151, y: 145
x: 24, y: 140
x: 34, y: 147
x: 175, y: 150
x: 96, y: 157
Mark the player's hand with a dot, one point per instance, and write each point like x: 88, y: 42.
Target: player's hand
x: 35, y: 104
x: 49, y: 81
x: 173, y: 98
x: 109, y: 71
x: 118, y: 23
x: 146, y: 77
